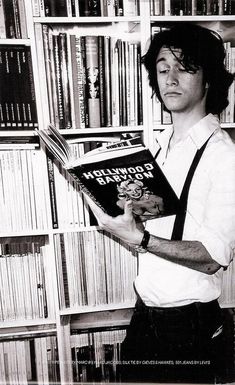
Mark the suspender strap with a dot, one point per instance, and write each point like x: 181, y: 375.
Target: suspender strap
x: 178, y: 228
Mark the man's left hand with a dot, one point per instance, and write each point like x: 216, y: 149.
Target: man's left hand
x: 123, y: 226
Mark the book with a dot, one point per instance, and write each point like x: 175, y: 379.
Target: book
x: 18, y: 108
x: 110, y: 175
x: 92, y: 81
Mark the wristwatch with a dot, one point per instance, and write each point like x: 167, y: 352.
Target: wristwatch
x: 142, y: 248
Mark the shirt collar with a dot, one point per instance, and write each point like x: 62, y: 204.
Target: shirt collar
x: 198, y: 133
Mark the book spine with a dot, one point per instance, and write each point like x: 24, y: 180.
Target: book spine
x: 75, y: 83
x: 92, y: 81
x: 9, y: 19
x: 73, y: 8
x: 77, y: 8
x: 49, y: 8
x: 178, y: 8
x: 51, y: 75
x: 107, y: 80
x: 23, y: 22
x: 64, y: 270
x: 201, y: 7
x: 69, y: 8
x: 52, y: 190
x: 5, y: 78
x: 115, y: 83
x: 36, y: 8
x: 101, y: 79
x: 128, y: 82
x: 16, y: 19
x: 129, y: 8
x: 63, y: 58
x: 110, y: 8
x: 119, y: 11
x: 167, y: 7
x: 123, y: 84
x: 139, y: 88
x: 133, y: 87
x: 58, y: 82
x: 95, y: 8
x: 42, y: 8
x: 61, y: 8
x: 104, y: 8
x: 2, y: 21
x: 119, y: 54
x: 48, y: 69
x: 32, y: 109
x: 157, y: 9
x: 84, y: 8
x: 81, y: 78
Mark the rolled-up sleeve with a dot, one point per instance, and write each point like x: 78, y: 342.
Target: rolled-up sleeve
x: 217, y: 229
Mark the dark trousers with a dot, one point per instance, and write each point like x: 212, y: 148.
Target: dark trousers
x: 181, y: 344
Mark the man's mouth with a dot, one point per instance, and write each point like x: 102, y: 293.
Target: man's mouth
x: 172, y: 94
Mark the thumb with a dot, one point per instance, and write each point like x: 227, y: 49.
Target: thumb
x: 97, y: 211
x: 128, y: 207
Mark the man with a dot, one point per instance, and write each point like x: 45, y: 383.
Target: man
x: 176, y: 330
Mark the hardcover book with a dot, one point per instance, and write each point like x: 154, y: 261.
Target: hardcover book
x: 112, y: 174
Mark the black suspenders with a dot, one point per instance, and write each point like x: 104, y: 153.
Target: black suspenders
x: 178, y: 227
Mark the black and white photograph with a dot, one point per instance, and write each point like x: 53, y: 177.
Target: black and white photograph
x: 117, y: 192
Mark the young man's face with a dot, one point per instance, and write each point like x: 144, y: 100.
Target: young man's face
x: 181, y: 91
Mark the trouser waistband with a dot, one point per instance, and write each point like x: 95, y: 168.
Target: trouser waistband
x: 207, y: 307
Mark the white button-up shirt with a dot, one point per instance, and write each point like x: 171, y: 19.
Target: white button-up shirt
x: 210, y: 216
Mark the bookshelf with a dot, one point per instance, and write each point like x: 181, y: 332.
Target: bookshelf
x: 42, y: 206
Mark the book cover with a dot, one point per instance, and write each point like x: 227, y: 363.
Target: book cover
x: 110, y: 175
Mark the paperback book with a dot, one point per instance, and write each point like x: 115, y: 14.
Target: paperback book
x: 112, y: 174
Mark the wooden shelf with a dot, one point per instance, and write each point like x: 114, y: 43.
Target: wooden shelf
x: 87, y: 20
x: 15, y: 41
x: 198, y: 18
x: 97, y: 308
x: 24, y: 233
x: 26, y: 325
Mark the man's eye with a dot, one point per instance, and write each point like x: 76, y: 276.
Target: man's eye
x: 163, y: 71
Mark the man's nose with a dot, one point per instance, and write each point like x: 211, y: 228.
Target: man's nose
x: 172, y: 78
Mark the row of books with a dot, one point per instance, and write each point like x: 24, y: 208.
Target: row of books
x: 17, y: 94
x: 13, y: 19
x: 29, y: 361
x: 22, y: 281
x: 191, y: 7
x: 227, y: 297
x: 94, y: 268
x: 68, y: 207
x: 75, y: 8
x: 93, y: 81
x: 95, y: 355
x: 23, y: 192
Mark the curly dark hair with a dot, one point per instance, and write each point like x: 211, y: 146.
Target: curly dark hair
x: 201, y: 48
